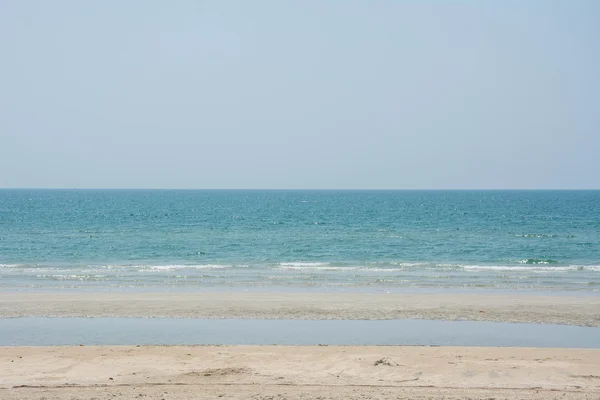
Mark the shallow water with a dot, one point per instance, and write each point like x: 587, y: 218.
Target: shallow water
x: 37, y: 331
x: 498, y: 240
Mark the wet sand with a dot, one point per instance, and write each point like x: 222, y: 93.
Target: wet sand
x: 566, y: 310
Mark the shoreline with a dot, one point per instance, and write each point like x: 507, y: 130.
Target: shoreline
x: 541, y: 309
x: 295, y: 372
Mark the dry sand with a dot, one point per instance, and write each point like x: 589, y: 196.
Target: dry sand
x: 292, y: 372
x: 567, y: 310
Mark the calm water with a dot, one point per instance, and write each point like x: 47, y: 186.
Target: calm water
x: 131, y: 331
x: 322, y: 240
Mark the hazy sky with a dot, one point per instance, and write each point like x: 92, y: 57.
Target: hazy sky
x: 300, y: 94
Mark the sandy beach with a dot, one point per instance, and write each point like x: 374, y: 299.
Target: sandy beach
x: 292, y: 372
x: 566, y: 310
x: 301, y: 372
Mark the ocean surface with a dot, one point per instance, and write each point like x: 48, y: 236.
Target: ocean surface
x: 299, y: 240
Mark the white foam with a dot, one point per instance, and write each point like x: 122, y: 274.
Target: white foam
x: 404, y: 264
x: 381, y: 269
x: 10, y: 266
x: 302, y: 264
x: 534, y: 261
x: 409, y: 264
x: 594, y: 268
x: 538, y: 269
x: 166, y: 267
x: 72, y: 277
x: 537, y: 235
x: 452, y: 266
x: 178, y: 267
x: 316, y: 268
x: 331, y: 268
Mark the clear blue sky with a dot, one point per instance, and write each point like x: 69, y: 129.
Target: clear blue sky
x: 300, y: 94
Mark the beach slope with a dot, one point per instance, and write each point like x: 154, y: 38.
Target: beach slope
x: 298, y: 372
x: 551, y: 309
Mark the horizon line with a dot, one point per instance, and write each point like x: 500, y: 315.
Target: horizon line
x: 303, y: 189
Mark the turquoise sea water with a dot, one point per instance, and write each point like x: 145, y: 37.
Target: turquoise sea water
x: 322, y: 240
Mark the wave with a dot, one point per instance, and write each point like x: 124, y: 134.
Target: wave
x: 537, y: 235
x: 12, y: 266
x: 518, y: 266
x: 178, y: 267
x: 315, y: 268
x: 537, y: 261
x: 595, y: 268
x: 326, y: 266
x: 524, y: 267
x: 402, y: 264
x: 73, y: 277
x: 302, y: 264
x: 118, y: 268
x: 512, y: 268
x: 450, y: 268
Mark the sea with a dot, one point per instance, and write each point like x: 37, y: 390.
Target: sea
x: 300, y: 240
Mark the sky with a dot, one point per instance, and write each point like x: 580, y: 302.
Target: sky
x: 300, y: 94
